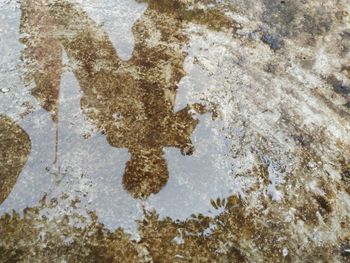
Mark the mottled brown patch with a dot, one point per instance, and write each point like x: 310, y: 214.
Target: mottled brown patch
x: 213, y: 18
x: 262, y: 172
x: 14, y: 151
x: 236, y: 235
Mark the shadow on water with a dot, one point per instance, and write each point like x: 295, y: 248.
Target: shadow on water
x: 132, y: 101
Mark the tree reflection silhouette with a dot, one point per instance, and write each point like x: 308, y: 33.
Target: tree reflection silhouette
x: 131, y: 101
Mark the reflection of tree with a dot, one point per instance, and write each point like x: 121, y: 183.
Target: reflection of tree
x: 14, y: 151
x: 42, y: 54
x: 132, y: 101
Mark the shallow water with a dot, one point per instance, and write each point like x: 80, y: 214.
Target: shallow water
x: 88, y: 167
x: 174, y: 131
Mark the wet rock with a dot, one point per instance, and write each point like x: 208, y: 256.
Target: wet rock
x: 223, y: 137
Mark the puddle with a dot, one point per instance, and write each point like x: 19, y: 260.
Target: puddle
x: 107, y: 129
x: 169, y: 131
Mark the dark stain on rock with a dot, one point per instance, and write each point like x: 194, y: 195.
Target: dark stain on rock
x: 270, y: 68
x: 302, y: 139
x: 345, y: 250
x: 290, y: 18
x: 279, y: 15
x: 274, y: 42
x: 14, y: 151
x: 342, y: 113
x: 237, y: 254
x: 324, y: 204
x: 342, y: 89
x: 345, y: 174
x: 338, y: 86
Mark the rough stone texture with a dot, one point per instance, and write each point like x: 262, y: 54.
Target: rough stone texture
x: 270, y: 80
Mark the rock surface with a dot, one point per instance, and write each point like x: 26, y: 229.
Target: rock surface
x: 175, y: 131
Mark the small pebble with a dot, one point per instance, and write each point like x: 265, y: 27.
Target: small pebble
x: 5, y: 90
